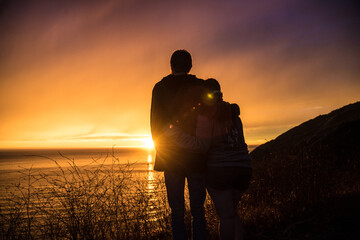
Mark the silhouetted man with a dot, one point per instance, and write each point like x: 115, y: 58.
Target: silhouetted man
x: 174, y: 100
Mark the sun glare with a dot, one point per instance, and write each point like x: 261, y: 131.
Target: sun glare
x: 148, y: 143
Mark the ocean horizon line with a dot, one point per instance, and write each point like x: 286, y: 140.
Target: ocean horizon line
x: 250, y: 146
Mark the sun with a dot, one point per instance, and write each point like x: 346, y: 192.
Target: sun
x: 148, y: 143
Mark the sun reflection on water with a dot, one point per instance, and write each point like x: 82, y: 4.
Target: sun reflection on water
x: 150, y: 177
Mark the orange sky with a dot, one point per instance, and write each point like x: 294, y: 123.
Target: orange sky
x: 81, y: 74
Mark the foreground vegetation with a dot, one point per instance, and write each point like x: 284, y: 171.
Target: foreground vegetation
x: 303, y: 196
x: 98, y: 201
x: 92, y: 202
x: 287, y: 199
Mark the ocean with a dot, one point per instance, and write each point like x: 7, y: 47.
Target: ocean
x: 139, y: 160
x: 16, y: 163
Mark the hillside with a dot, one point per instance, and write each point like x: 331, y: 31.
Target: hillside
x: 335, y: 135
x: 306, y: 182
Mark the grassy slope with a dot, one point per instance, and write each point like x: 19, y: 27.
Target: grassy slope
x: 306, y: 182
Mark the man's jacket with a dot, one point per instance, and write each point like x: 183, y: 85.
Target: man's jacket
x: 175, y: 100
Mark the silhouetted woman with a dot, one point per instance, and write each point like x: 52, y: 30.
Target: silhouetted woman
x: 219, y: 133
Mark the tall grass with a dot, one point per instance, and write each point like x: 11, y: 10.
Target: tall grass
x: 292, y: 190
x: 108, y: 201
x: 99, y: 201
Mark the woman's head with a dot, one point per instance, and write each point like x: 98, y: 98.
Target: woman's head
x: 213, y: 90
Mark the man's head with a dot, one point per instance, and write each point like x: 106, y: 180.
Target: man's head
x: 181, y: 62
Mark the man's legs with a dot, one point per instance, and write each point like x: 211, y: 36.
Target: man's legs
x: 175, y: 183
x: 197, y: 192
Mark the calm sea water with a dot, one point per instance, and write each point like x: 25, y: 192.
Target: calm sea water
x: 14, y: 161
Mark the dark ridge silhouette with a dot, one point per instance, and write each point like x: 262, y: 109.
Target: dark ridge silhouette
x: 310, y: 175
x: 334, y: 136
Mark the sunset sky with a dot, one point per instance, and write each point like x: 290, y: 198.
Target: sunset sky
x: 80, y: 73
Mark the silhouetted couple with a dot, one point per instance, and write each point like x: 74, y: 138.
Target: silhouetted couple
x: 199, y: 137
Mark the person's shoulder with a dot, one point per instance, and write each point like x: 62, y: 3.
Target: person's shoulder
x: 223, y: 110
x: 225, y: 104
x: 162, y: 82
x: 231, y: 106
x: 165, y: 79
x: 196, y: 79
x: 171, y: 79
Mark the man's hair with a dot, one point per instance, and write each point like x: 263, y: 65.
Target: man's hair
x: 181, y: 61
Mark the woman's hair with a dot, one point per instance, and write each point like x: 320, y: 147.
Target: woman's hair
x: 235, y: 109
x: 213, y: 86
